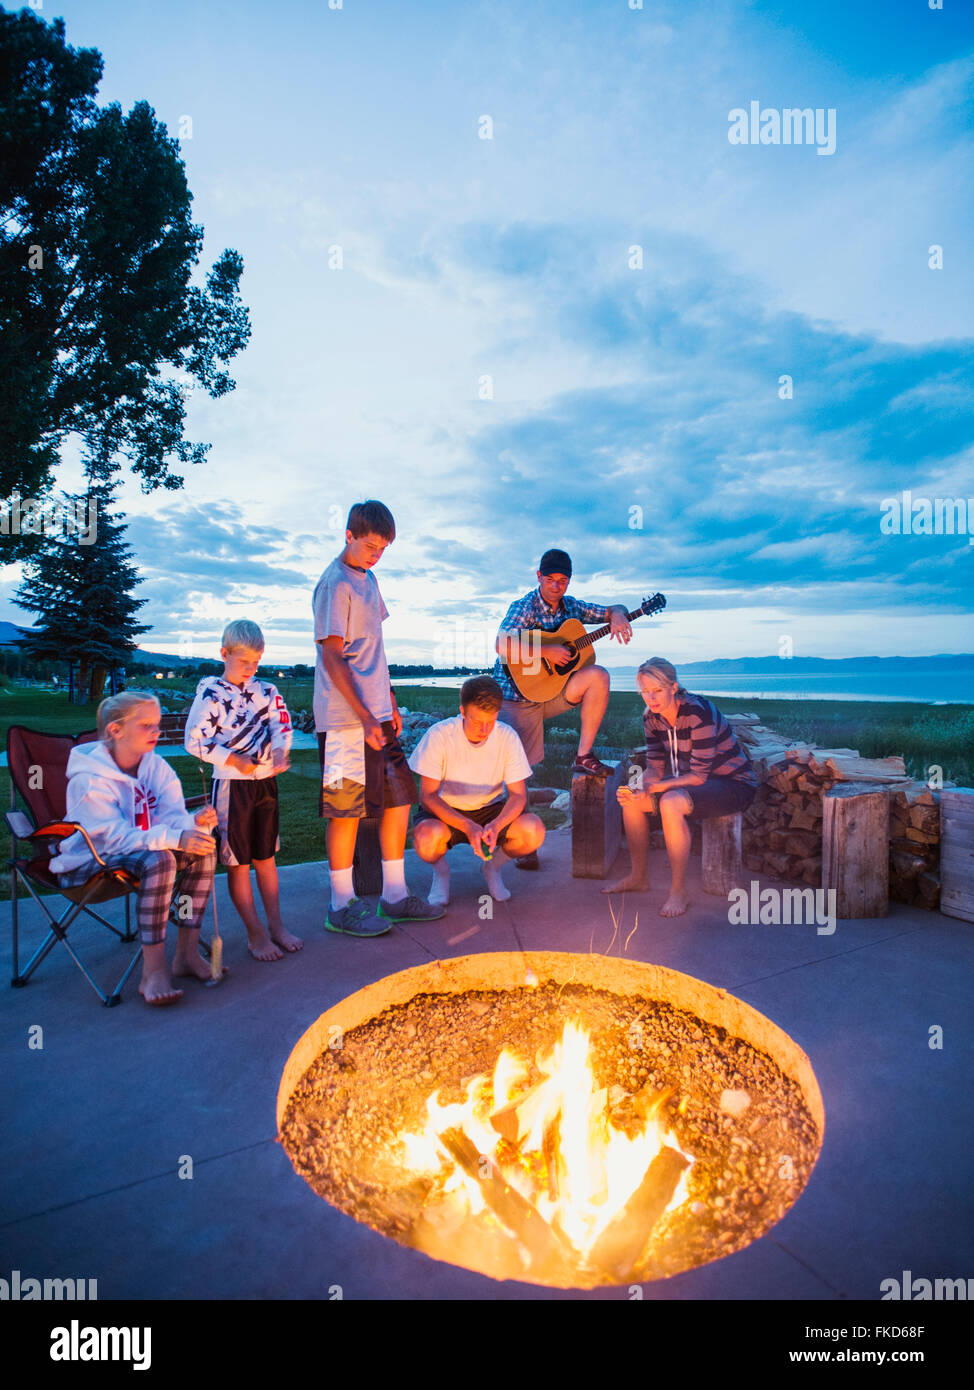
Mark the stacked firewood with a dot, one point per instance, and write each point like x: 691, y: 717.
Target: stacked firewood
x: 782, y: 830
x: 914, y: 860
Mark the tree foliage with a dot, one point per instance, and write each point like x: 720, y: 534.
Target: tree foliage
x: 102, y: 332
x: 81, y: 593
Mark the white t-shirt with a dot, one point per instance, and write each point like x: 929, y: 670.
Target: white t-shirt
x: 472, y: 774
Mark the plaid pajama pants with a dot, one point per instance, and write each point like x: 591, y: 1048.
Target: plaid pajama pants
x: 160, y: 872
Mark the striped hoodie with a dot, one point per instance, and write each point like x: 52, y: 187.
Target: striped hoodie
x: 702, y: 743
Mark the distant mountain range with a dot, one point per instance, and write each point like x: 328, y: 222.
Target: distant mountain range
x: 743, y: 665
x: 10, y: 633
x: 725, y: 666
x: 801, y: 665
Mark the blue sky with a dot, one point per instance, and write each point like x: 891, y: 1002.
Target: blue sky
x: 613, y: 388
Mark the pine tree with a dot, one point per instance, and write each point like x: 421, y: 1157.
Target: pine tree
x: 79, y: 584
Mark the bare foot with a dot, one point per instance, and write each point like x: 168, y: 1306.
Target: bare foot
x: 675, y: 906
x: 287, y: 940
x: 262, y: 947
x: 193, y: 966
x: 157, y: 989
x: 629, y: 884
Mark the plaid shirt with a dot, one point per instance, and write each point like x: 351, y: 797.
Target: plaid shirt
x: 531, y: 611
x: 704, y: 741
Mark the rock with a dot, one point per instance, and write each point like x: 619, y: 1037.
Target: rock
x: 734, y: 1102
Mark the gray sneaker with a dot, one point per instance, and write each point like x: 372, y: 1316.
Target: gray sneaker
x: 410, y: 909
x: 356, y: 918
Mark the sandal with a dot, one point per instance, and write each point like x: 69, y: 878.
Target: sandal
x: 591, y: 766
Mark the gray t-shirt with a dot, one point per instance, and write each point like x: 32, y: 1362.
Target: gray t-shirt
x: 347, y: 604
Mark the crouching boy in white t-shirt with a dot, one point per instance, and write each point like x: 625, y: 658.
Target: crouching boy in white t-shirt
x: 464, y: 765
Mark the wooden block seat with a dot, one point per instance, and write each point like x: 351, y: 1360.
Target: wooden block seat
x: 721, y: 866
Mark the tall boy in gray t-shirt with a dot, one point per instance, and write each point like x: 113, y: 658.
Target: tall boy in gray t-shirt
x: 363, y: 768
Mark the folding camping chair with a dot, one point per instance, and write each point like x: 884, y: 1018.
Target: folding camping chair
x: 38, y: 775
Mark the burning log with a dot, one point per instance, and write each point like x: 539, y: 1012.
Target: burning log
x: 550, y: 1143
x: 548, y: 1250
x: 512, y: 1122
x: 628, y: 1233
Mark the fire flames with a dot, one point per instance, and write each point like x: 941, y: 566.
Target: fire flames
x: 578, y: 1173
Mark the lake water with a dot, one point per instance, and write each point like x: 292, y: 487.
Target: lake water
x: 930, y: 687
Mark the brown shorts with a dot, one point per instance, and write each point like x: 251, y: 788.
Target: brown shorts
x: 357, y: 780
x: 482, y: 815
x: 527, y: 717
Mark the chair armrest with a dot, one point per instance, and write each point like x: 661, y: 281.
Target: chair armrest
x: 19, y: 824
x: 193, y: 802
x: 23, y: 828
x: 59, y: 830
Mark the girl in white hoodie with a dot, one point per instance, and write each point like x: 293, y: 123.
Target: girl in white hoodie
x: 131, y: 803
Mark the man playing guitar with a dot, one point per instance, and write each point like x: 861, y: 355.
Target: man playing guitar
x: 546, y: 608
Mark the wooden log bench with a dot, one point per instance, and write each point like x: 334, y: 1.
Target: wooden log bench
x: 596, y: 821
x: 721, y: 866
x: 367, y: 863
x: 957, y: 852
x: 855, y: 848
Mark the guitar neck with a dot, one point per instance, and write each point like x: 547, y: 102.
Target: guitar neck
x: 598, y: 632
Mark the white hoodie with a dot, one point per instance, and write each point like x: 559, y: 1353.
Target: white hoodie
x: 122, y: 814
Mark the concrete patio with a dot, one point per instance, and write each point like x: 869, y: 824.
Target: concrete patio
x: 98, y: 1122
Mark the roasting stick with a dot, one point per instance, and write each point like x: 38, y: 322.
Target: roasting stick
x: 216, y: 949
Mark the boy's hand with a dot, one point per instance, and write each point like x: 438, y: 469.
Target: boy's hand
x: 206, y: 819
x: 374, y: 735
x: 475, y: 835
x: 489, y: 836
x: 196, y: 842
x: 280, y: 760
x: 245, y: 766
x: 396, y: 720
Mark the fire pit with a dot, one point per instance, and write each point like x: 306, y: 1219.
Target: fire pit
x: 560, y: 1119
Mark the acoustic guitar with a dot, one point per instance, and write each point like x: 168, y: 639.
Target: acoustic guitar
x: 537, y: 678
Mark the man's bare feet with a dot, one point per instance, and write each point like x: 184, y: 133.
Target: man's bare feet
x: 157, y: 989
x: 192, y: 966
x: 262, y: 947
x: 629, y: 884
x: 287, y: 940
x: 675, y: 906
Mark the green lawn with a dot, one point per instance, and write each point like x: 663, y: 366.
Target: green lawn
x: 925, y: 735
